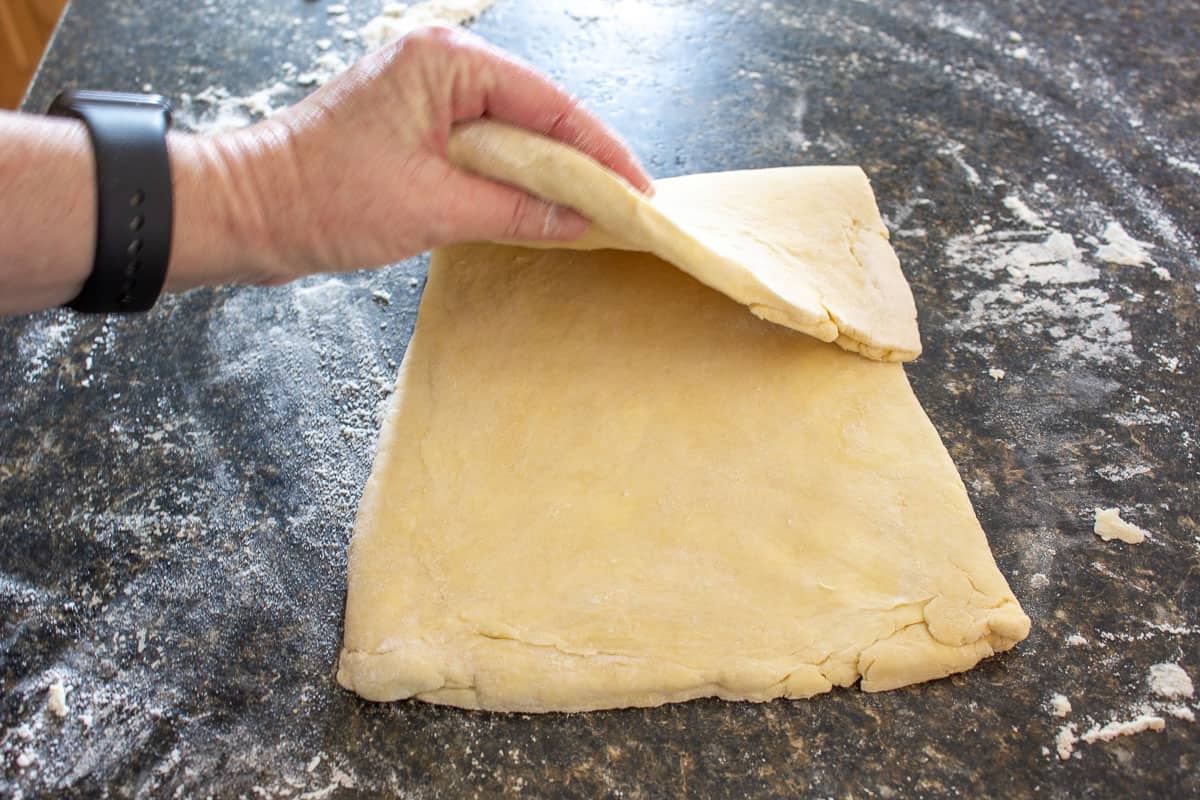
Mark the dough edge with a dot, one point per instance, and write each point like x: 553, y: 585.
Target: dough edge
x: 512, y: 675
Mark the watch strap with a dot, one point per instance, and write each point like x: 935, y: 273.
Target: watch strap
x: 134, y: 208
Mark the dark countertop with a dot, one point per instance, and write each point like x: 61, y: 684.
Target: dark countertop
x: 177, y: 489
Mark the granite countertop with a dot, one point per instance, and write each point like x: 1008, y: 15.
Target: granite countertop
x: 177, y: 489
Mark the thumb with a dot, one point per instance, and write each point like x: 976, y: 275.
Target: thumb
x: 484, y: 210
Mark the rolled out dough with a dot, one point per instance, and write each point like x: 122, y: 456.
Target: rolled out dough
x: 604, y: 484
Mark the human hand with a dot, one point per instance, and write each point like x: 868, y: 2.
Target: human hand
x: 357, y: 175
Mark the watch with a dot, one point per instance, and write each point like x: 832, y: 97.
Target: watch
x: 134, y: 210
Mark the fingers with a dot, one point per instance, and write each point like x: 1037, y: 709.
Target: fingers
x: 518, y: 94
x: 488, y: 211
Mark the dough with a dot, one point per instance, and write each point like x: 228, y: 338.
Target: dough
x: 603, y: 484
x: 804, y: 248
x: 1109, y: 526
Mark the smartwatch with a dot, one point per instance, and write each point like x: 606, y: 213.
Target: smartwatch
x: 134, y: 212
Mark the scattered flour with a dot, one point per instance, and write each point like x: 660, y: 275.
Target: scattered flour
x: 955, y: 150
x: 1060, y: 706
x: 46, y: 343
x: 398, y: 19
x: 1121, y: 248
x: 1038, y: 285
x: 955, y: 25
x: 1117, y: 472
x: 1077, y: 74
x: 1184, y: 164
x: 1109, y: 526
x: 1170, y: 681
x: 996, y: 373
x: 1023, y: 212
x: 1075, y: 640
x: 1182, y: 712
x: 215, y: 110
x: 325, y: 68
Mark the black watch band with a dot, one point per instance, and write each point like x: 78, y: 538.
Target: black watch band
x: 134, y: 212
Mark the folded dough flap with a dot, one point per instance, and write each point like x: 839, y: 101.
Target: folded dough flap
x: 803, y: 247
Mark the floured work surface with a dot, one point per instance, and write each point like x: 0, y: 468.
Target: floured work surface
x: 603, y: 484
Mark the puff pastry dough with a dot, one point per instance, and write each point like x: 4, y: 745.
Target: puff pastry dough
x: 602, y: 483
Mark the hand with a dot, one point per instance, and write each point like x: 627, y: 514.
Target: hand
x: 356, y: 175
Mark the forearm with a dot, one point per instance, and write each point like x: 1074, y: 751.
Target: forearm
x: 48, y: 212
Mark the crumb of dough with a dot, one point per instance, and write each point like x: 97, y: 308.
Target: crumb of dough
x: 1037, y: 580
x: 56, y: 698
x: 1064, y: 742
x: 996, y: 373
x: 1109, y: 526
x: 1182, y: 712
x: 1075, y: 640
x: 1060, y: 706
x: 1067, y: 738
x: 1023, y: 212
x: 25, y: 759
x: 1170, y: 680
x: 1142, y: 722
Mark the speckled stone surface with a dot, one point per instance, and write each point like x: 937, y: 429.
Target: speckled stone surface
x: 177, y: 490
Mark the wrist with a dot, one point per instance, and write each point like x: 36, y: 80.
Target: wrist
x: 225, y: 229
x: 79, y: 166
